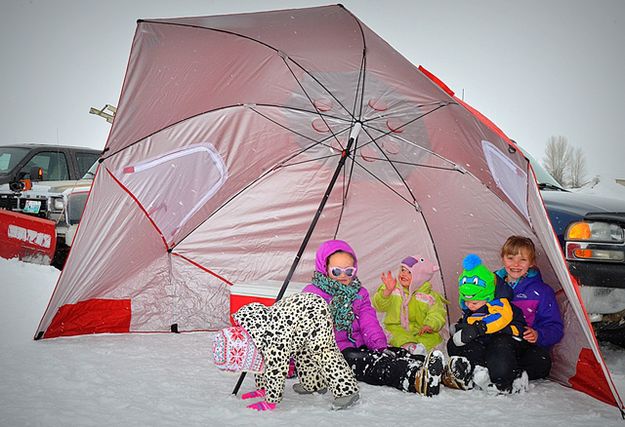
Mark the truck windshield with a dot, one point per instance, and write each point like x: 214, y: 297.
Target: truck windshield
x: 10, y: 157
x: 90, y: 174
x: 545, y: 180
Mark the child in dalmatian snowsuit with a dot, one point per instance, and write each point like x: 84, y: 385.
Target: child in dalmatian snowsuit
x: 266, y: 338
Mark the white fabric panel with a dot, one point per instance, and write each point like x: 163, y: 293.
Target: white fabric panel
x: 200, y: 300
x: 114, y: 230
x: 193, y: 175
x: 509, y: 177
x: 272, y: 216
x: 464, y: 216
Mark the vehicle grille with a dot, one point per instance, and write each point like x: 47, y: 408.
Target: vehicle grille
x: 8, y: 202
x: 43, y: 208
x: 13, y: 203
x: 75, y: 206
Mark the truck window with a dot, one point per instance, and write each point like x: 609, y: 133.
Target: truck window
x: 54, y: 165
x: 85, y: 160
x: 10, y: 157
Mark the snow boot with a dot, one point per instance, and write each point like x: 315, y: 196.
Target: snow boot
x: 345, y: 401
x: 481, y: 379
x: 415, y: 348
x: 428, y: 377
x: 299, y: 389
x: 457, y: 373
x: 521, y: 383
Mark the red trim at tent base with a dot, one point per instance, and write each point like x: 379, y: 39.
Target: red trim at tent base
x: 94, y: 316
x: 590, y: 379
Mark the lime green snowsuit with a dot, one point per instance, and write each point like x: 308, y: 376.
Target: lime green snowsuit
x: 426, y: 307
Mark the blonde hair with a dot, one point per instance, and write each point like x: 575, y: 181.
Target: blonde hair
x: 515, y: 244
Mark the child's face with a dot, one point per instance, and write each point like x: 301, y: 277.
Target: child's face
x: 517, y: 265
x: 341, y: 260
x: 405, y: 277
x: 475, y: 305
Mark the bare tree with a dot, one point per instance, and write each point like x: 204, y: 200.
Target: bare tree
x: 577, y: 170
x: 557, y: 158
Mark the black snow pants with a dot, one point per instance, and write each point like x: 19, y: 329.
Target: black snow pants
x: 394, y: 367
x: 505, y: 358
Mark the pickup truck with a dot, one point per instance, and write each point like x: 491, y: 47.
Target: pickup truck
x: 47, y: 181
x: 591, y: 231
x: 43, y: 162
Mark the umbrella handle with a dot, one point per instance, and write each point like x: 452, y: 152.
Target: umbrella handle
x: 239, y: 382
x: 352, y: 137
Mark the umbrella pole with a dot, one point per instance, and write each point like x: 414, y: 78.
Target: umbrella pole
x: 352, y: 137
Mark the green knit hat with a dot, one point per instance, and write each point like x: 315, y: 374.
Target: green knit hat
x: 476, y: 282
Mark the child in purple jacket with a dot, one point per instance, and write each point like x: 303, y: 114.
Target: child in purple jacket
x: 520, y: 281
x: 358, y: 333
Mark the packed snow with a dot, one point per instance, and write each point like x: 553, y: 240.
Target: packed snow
x: 605, y: 186
x: 169, y: 380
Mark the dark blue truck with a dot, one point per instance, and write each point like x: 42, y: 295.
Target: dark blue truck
x: 591, y: 231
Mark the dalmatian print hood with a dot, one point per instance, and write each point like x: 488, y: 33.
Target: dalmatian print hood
x: 254, y: 318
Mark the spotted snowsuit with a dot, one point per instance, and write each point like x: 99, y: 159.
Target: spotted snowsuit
x: 298, y: 326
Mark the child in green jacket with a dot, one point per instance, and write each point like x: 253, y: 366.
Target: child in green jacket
x: 414, y: 312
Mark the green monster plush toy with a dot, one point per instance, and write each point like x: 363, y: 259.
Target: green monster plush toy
x: 476, y: 282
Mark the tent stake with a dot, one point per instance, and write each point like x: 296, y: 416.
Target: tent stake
x: 352, y: 137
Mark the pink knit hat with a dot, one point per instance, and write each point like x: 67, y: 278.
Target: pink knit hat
x: 421, y: 270
x: 234, y: 350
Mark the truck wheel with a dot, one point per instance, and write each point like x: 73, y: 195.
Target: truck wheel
x: 611, y: 332
x: 60, y: 255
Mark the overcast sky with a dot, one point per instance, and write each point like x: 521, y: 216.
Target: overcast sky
x: 536, y: 68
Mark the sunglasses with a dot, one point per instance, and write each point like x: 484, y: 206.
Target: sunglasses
x: 348, y: 271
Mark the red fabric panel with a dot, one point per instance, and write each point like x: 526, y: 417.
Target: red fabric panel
x: 589, y: 378
x: 94, y: 316
x: 238, y: 301
x: 24, y: 236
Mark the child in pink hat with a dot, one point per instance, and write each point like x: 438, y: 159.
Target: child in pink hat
x: 414, y: 312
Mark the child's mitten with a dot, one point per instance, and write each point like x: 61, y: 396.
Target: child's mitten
x: 468, y: 333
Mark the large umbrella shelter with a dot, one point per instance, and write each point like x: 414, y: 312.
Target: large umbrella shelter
x: 229, y: 130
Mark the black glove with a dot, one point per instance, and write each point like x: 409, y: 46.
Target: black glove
x: 469, y: 332
x: 458, y: 327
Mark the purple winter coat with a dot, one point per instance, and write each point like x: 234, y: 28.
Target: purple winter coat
x: 366, y: 329
x: 539, y: 305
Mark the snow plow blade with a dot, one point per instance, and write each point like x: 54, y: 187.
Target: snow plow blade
x: 26, y: 237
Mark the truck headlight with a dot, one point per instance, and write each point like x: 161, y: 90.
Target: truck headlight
x: 594, y: 232
x: 58, y: 204
x: 582, y: 251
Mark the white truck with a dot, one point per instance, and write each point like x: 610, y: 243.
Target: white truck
x: 49, y: 182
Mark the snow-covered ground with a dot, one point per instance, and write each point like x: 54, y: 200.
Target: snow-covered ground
x: 169, y: 380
